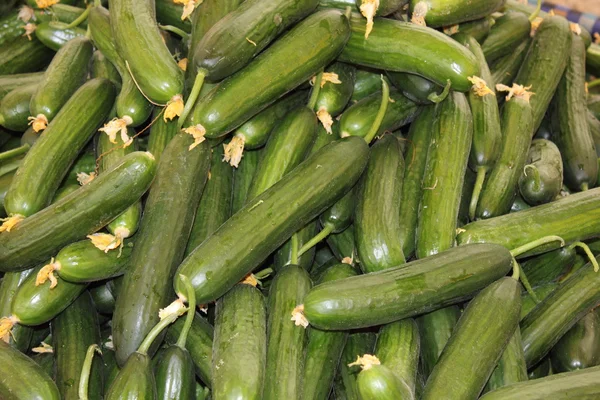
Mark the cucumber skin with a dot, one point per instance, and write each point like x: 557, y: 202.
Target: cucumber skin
x: 505, y: 69
x: 242, y: 179
x: 415, y: 87
x: 341, y: 164
x: 347, y: 304
x: 546, y: 157
x: 161, y: 133
x: 579, y: 348
x: 134, y: 381
x: 73, y: 331
x: 479, y: 28
x: 174, y: 374
x: 22, y: 378
x: 102, y: 68
x: 511, y: 367
x: 286, y: 342
x: 508, y: 31
x: 380, y: 383
x: 427, y: 52
x: 20, y: 335
x: 104, y: 300
x: 240, y: 344
x: 23, y: 55
x: 333, y: 97
x: 366, y: 83
x: 318, y: 39
x: 358, y: 344
x: 14, y: 108
x: 448, y: 12
x: 435, y: 329
x: 169, y: 13
x: 168, y: 218
x: 14, y: 81
x: 550, y: 266
x: 443, y: 178
x: 55, y: 35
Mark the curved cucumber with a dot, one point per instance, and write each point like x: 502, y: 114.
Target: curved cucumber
x: 579, y: 348
x: 415, y: 87
x: 55, y: 35
x: 14, y: 108
x: 449, y: 12
x: 541, y: 180
x: 509, y: 30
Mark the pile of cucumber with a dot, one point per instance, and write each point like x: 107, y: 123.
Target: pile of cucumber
x: 298, y: 199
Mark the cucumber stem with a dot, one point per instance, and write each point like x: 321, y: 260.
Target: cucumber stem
x: 194, y: 93
x: 79, y: 19
x: 157, y: 329
x: 525, y: 282
x: 536, y: 243
x: 516, y: 269
x: 189, y: 318
x: 179, y: 32
x: 84, y: 379
x: 537, y: 182
x: 584, y: 186
x: 262, y: 274
x: 588, y: 252
x: 593, y: 83
x: 536, y: 12
x: 294, y: 257
x: 314, y: 95
x: 438, y: 98
x: 7, y: 155
x: 326, y: 231
x: 385, y: 99
x: 481, y: 172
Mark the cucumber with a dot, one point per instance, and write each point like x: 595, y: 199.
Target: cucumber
x: 85, y: 163
x: 358, y: 343
x: 170, y: 13
x: 544, y: 64
x: 579, y: 348
x: 511, y: 367
x: 444, y: 175
x: 313, y: 44
x: 406, y: 47
x: 11, y: 27
x: 161, y: 133
x: 592, y: 61
x: 379, y: 8
x: 81, y: 213
x: 438, y: 13
x: 366, y: 83
x: 230, y: 44
x: 104, y: 301
x: 14, y: 108
x: 286, y: 338
x: 20, y: 336
x: 242, y: 179
x: 573, y: 136
x: 134, y: 27
x: 426, y: 285
x: 342, y: 244
x: 240, y: 344
x: 283, y: 256
x: 358, y: 119
x: 134, y: 381
x: 45, y: 361
x: 376, y: 219
x: 486, y: 326
x: 541, y: 370
x: 60, y: 11
x: 10, y: 82
x: 550, y: 266
x: 102, y: 68
x: 174, y: 374
x: 571, y: 385
x: 23, y: 55
x: 542, y: 291
x: 416, y: 160
x: 541, y: 181
x: 340, y: 4
x: 248, y: 240
x: 556, y: 314
x: 380, y: 382
x: 168, y: 218
x: 509, y: 30
x: 572, y: 218
x: 73, y: 331
x: 415, y: 87
x: 435, y: 329
x: 334, y: 96
x: 505, y: 69
x: 56, y: 35
x: 500, y: 188
x: 479, y: 28
x: 22, y: 378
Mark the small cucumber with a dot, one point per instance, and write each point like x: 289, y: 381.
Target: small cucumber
x: 358, y: 343
x: 505, y: 69
x: 14, y: 108
x: 342, y: 244
x: 438, y: 13
x: 10, y: 82
x: 511, y: 367
x: 380, y: 383
x: 62, y: 12
x: 541, y: 180
x: 11, y: 26
x: 366, y: 83
x: 23, y: 55
x: 579, y: 348
x: 20, y: 336
x: 170, y: 13
x: 104, y: 301
x: 435, y: 329
x: 334, y: 96
x: 55, y: 35
x: 509, y: 30
x: 174, y: 374
x: 415, y: 87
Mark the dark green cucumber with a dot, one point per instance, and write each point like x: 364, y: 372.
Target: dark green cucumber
x: 73, y: 331
x: 541, y: 370
x: 45, y: 361
x: 366, y: 83
x: 102, y: 68
x: 333, y: 97
x: 557, y: 313
x: 579, y: 348
x: 342, y: 244
x: 511, y: 367
x: 573, y: 136
x: 286, y: 339
x: 22, y: 378
x: 541, y: 292
x: 592, y: 61
x: 11, y: 26
x: 236, y: 39
x: 55, y: 35
x: 544, y: 64
x: 313, y: 44
x: 82, y: 212
x: 104, y: 301
x: 240, y: 344
x: 381, y: 383
x: 505, y: 69
x: 448, y: 12
x: 509, y: 30
x: 502, y: 183
x: 242, y: 179
x: 5, y: 181
x: 48, y: 161
x: 415, y: 87
x: 376, y: 217
x: 571, y: 385
x: 443, y: 178
x: 358, y: 344
x: 161, y: 133
x: 479, y: 28
x: 14, y: 81
x: 573, y: 218
x: 20, y: 336
x: 340, y: 215
x: 134, y: 381
x: 283, y: 256
x: 435, y: 329
x: 174, y: 374
x: 168, y: 218
x: 134, y: 27
x: 85, y: 163
x: 247, y: 240
x: 405, y: 47
x: 541, y: 181
x: 14, y: 108
x: 23, y: 55
x: 425, y: 285
x: 549, y: 266
x: 545, y: 130
x: 170, y: 13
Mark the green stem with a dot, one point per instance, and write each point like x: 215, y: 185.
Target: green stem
x: 179, y: 32
x: 536, y: 243
x: 97, y: 3
x: 537, y: 182
x: 525, y: 282
x: 326, y: 231
x: 314, y: 95
x: 7, y: 155
x: 536, y: 12
x: 348, y: 13
x: 262, y: 274
x: 385, y: 99
x: 189, y: 319
x: 158, y: 328
x: 194, y: 93
x: 79, y: 19
x: 481, y: 171
x: 593, y: 83
x: 438, y: 98
x: 294, y: 257
x: 588, y: 252
x: 516, y: 269
x: 584, y: 186
x: 84, y: 379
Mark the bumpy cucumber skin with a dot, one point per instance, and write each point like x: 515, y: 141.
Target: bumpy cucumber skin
x: 511, y: 367
x: 449, y: 12
x: 546, y: 158
x: 579, y: 348
x: 174, y: 374
x: 134, y: 381
x: 14, y: 108
x: 509, y: 30
x: 380, y: 383
x: 20, y: 335
x: 23, y: 55
x: 358, y: 344
x: 435, y: 329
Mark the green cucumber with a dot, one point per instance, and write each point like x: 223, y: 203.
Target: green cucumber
x: 545, y: 130
x: 240, y: 344
x: 73, y: 331
x: 406, y: 47
x: 161, y: 133
x: 438, y: 13
x: 23, y: 55
x: 541, y: 292
x: 168, y: 218
x: 45, y: 361
x: 104, y: 301
x: 102, y: 68
x: 22, y: 378
x: 358, y: 343
x: 10, y: 82
x: 5, y: 181
x: 20, y: 336
x: 14, y: 108
x: 86, y: 163
x: 242, y: 179
x: 541, y: 180
x: 376, y: 219
x: 444, y: 175
x: 60, y: 11
x: 334, y: 96
x: 134, y: 381
x: 505, y: 69
x: 366, y: 83
x: 286, y: 339
x: 426, y: 285
x: 11, y: 26
x: 500, y: 188
x: 479, y: 28
x: 509, y: 30
x: 592, y: 60
x: 550, y: 266
x: 544, y: 64
x: 378, y: 382
x: 134, y: 27
x: 579, y: 348
x: 174, y: 374
x: 342, y: 244
x: 511, y: 367
x: 313, y: 44
x: 55, y: 35
x: 81, y: 213
x: 236, y: 39
x: 415, y: 87
x: 541, y: 370
x: 573, y: 136
x: 170, y: 13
